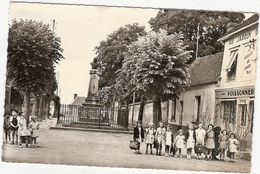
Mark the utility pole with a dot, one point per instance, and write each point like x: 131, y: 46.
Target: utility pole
x: 198, y: 36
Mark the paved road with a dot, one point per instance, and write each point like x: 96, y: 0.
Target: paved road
x: 108, y: 150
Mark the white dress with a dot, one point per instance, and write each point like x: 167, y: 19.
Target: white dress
x: 160, y: 134
x: 150, y: 135
x: 233, y: 145
x: 190, y: 140
x: 179, y: 141
x: 23, y: 130
x: 200, y: 135
x: 168, y: 139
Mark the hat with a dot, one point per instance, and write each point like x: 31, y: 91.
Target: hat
x: 168, y: 126
x: 34, y: 117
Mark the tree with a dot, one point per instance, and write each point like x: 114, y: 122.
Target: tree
x: 110, y: 52
x: 208, y: 25
x: 156, y: 65
x: 33, y: 49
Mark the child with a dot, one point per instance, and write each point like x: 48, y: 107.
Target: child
x: 138, y: 135
x: 232, y: 146
x: 160, y: 135
x: 200, y: 137
x: 23, y: 130
x: 7, y: 128
x: 209, y: 141
x: 190, y: 140
x: 179, y: 142
x: 34, y: 127
x: 14, y: 126
x: 150, y: 137
x: 168, y: 140
x: 222, y: 140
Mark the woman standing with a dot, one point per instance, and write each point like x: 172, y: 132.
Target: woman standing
x: 209, y: 141
x: 138, y: 135
x: 190, y: 140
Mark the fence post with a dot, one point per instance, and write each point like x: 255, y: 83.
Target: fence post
x: 99, y: 117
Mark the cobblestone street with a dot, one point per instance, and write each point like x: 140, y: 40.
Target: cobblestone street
x: 86, y: 148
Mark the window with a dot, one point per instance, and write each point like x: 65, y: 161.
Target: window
x: 252, y: 120
x: 198, y: 99
x: 229, y: 115
x: 243, y: 115
x: 232, y: 66
x: 173, y: 115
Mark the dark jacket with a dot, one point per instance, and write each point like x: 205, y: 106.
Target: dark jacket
x: 136, y: 132
x: 187, y: 134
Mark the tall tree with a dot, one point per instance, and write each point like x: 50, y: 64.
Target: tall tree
x: 156, y: 65
x: 33, y: 49
x: 110, y: 52
x: 208, y: 25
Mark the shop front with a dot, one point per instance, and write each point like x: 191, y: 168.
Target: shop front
x: 235, y: 109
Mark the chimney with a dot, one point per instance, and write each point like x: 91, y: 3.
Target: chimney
x: 75, y: 96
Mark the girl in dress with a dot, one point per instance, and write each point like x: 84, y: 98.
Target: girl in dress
x: 150, y: 137
x: 138, y: 135
x: 232, y: 146
x: 223, y: 139
x: 160, y: 135
x: 200, y: 138
x: 23, y: 130
x: 7, y: 127
x: 168, y: 140
x: 209, y: 141
x: 190, y: 140
x: 34, y: 126
x: 179, y: 143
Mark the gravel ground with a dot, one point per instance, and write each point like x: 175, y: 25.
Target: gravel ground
x: 83, y: 148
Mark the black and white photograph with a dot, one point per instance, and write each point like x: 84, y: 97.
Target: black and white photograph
x: 124, y: 87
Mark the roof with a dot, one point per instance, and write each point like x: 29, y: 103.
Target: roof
x: 206, y: 69
x: 247, y: 22
x: 78, y: 100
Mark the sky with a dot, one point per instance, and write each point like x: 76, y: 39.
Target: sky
x: 80, y: 28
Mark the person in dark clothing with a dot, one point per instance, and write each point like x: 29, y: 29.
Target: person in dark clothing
x: 215, y: 152
x: 138, y: 135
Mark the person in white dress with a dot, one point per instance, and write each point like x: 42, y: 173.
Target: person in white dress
x: 150, y: 137
x: 23, y: 130
x: 190, y: 140
x: 168, y: 140
x: 34, y: 126
x: 232, y: 146
x: 179, y: 143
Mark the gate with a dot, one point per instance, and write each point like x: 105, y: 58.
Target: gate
x: 94, y: 117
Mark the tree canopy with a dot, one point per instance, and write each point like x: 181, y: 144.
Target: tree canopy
x: 208, y: 25
x: 110, y: 52
x: 33, y: 49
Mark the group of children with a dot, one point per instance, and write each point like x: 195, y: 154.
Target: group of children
x: 16, y: 129
x: 201, y: 140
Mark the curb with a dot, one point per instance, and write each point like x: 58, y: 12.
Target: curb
x: 90, y: 129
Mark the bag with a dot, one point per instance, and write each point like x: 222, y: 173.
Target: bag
x: 156, y: 144
x: 173, y: 150
x: 133, y: 144
x: 200, y: 149
x: 228, y: 153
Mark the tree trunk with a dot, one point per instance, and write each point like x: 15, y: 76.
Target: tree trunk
x: 44, y: 108
x: 159, y: 110
x: 40, y: 110
x: 47, y: 110
x: 141, y: 110
x: 155, y: 111
x: 35, y: 106
x: 26, y: 102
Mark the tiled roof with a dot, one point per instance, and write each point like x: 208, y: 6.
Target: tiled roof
x: 78, y: 101
x: 206, y: 69
x: 250, y: 20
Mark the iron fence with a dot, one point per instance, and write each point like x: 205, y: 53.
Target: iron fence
x: 95, y: 117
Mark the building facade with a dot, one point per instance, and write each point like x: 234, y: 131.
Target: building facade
x: 235, y: 95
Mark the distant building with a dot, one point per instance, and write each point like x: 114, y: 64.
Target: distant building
x: 78, y: 100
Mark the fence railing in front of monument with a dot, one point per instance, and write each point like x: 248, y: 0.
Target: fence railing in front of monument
x: 96, y: 117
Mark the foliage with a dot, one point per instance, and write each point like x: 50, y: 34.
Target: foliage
x: 156, y: 67
x: 32, y: 51
x: 110, y: 53
x: 212, y: 25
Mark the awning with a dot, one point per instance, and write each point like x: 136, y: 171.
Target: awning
x: 228, y: 99
x: 232, y: 58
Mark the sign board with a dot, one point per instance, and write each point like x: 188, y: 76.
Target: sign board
x: 235, y: 92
